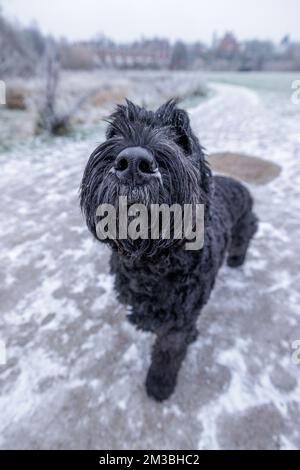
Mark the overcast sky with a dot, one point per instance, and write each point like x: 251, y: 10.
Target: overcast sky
x: 186, y: 19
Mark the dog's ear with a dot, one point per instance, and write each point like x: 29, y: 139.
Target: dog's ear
x: 179, y: 121
x: 119, y: 121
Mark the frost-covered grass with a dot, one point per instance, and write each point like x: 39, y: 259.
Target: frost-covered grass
x: 103, y: 89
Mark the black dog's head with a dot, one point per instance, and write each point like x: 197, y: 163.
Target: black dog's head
x: 151, y: 158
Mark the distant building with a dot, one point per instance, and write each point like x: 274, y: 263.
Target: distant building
x: 144, y: 54
x: 228, y: 46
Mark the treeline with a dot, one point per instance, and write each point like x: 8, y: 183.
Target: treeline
x: 226, y: 53
x: 22, y: 51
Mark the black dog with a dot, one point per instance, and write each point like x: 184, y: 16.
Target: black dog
x: 154, y: 157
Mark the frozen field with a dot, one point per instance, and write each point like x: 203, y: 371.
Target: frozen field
x: 75, y: 368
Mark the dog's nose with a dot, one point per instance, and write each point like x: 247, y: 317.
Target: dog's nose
x: 136, y: 164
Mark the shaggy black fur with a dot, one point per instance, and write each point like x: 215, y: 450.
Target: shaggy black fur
x: 165, y: 285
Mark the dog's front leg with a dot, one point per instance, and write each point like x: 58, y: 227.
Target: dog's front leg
x: 168, y: 353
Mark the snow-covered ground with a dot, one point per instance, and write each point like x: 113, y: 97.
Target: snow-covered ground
x: 75, y: 366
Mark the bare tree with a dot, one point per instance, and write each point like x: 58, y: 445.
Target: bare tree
x: 50, y: 118
x: 180, y: 57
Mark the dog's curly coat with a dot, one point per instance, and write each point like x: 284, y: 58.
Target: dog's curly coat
x: 165, y: 285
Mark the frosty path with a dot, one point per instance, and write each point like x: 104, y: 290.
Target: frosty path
x: 75, y: 368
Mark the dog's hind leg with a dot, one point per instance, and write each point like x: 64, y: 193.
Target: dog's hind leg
x: 168, y: 353
x: 241, y: 235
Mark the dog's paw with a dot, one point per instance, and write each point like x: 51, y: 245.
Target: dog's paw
x: 235, y: 261
x: 160, y: 386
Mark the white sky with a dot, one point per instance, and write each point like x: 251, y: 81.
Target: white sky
x: 186, y: 19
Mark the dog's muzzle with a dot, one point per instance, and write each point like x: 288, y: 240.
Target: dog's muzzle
x: 135, y: 165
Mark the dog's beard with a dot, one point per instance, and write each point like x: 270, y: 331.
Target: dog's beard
x: 153, y: 192
x: 110, y: 190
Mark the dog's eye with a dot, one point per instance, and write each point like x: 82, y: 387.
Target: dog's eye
x: 184, y: 142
